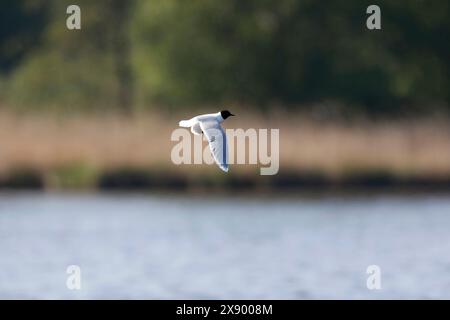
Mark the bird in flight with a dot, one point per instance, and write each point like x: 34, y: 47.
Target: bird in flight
x: 209, y: 125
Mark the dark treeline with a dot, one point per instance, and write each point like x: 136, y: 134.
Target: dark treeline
x: 294, y: 53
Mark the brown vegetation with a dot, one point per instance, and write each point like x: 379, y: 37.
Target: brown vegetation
x: 419, y: 148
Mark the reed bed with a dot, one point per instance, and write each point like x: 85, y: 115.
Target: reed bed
x: 48, y: 143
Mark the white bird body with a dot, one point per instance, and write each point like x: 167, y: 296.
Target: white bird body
x: 194, y: 123
x: 209, y: 124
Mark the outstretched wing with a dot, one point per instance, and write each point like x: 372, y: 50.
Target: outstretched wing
x: 217, y: 140
x: 187, y: 123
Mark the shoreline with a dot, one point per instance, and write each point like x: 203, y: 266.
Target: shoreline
x: 132, y: 179
x: 83, y: 152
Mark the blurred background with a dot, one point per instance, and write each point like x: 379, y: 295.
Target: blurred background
x: 86, y: 176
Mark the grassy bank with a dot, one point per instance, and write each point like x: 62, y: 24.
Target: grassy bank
x: 129, y: 179
x: 113, y: 152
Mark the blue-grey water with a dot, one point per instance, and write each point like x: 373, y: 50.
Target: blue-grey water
x: 169, y: 247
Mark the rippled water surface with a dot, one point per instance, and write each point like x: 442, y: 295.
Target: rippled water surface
x: 144, y: 246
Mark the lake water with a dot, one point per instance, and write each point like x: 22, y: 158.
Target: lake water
x: 158, y: 247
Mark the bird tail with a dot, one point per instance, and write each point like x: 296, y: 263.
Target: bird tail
x: 186, y: 123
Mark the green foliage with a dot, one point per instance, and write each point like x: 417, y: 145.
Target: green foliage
x: 71, y: 69
x: 295, y: 52
x: 52, y: 80
x: 73, y: 176
x: 21, y: 26
x: 211, y: 52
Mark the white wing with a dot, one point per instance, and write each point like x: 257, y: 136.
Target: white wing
x: 187, y: 123
x: 195, y: 129
x: 217, y: 140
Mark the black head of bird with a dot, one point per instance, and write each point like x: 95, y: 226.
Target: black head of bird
x: 225, y: 114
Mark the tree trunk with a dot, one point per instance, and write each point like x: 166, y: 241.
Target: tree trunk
x: 120, y: 19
